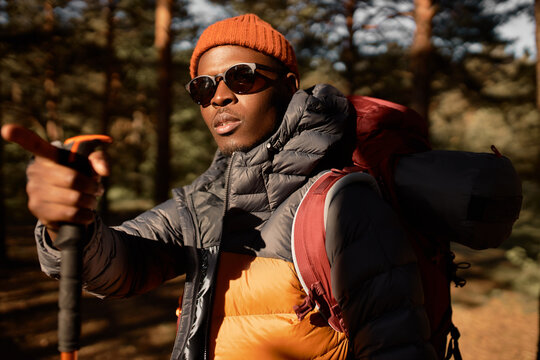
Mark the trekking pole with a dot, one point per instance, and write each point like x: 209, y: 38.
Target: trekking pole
x: 71, y: 237
x: 70, y: 241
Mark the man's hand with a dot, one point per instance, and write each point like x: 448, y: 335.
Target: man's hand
x: 56, y: 193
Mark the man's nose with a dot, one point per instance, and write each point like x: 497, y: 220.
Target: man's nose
x: 223, y: 95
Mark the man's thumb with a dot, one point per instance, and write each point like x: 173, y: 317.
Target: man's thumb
x: 100, y: 163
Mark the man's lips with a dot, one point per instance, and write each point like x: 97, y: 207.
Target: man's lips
x: 225, y: 123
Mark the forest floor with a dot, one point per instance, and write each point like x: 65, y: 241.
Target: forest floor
x: 495, y: 321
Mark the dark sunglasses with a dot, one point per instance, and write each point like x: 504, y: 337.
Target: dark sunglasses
x: 240, y: 78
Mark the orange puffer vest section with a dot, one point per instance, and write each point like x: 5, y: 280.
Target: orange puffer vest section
x: 252, y: 320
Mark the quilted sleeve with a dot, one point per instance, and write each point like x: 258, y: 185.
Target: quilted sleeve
x: 375, y: 278
x: 126, y: 260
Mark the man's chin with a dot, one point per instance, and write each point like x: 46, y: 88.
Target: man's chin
x: 229, y: 149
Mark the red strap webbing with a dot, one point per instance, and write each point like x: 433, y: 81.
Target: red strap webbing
x: 309, y: 253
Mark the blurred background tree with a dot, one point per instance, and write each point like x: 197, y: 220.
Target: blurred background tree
x: 536, y: 17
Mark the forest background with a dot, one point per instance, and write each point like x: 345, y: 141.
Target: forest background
x: 118, y: 67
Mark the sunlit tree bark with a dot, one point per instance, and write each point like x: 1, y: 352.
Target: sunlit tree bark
x: 537, y: 32
x: 52, y: 125
x: 421, y: 55
x: 110, y: 91
x: 163, y: 46
x: 2, y: 205
x: 350, y: 54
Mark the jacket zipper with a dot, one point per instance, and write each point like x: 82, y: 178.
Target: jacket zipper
x: 227, y: 184
x: 198, y: 281
x: 225, y: 206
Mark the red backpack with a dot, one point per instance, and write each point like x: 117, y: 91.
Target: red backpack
x: 386, y: 132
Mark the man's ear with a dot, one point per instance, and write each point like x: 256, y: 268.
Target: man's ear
x: 292, y: 83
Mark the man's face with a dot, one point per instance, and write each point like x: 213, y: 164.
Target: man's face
x: 239, y: 122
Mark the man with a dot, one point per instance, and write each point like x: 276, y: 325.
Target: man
x: 229, y: 231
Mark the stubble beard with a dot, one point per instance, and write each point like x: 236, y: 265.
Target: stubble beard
x: 233, y: 146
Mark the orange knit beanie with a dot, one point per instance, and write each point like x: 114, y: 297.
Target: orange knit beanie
x: 248, y: 31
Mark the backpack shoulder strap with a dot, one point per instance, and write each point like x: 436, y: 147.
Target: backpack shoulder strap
x: 308, y: 245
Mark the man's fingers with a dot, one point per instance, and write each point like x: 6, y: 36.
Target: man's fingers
x: 100, y: 163
x: 46, y: 172
x: 59, y: 213
x: 54, y: 205
x: 30, y: 141
x: 56, y: 195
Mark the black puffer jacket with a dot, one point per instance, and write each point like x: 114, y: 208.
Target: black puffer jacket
x: 244, y: 204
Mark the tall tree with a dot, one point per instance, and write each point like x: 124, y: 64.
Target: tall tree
x: 2, y: 198
x: 53, y: 127
x: 421, y: 54
x: 537, y: 34
x: 349, y: 53
x: 163, y: 45
x: 110, y: 91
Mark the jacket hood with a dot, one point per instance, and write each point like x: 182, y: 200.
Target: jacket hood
x: 313, y: 135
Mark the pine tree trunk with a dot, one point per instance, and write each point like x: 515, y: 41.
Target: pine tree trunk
x: 163, y: 46
x: 420, y: 56
x: 349, y: 54
x: 109, y: 93
x: 537, y: 33
x: 3, y: 255
x: 52, y: 125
